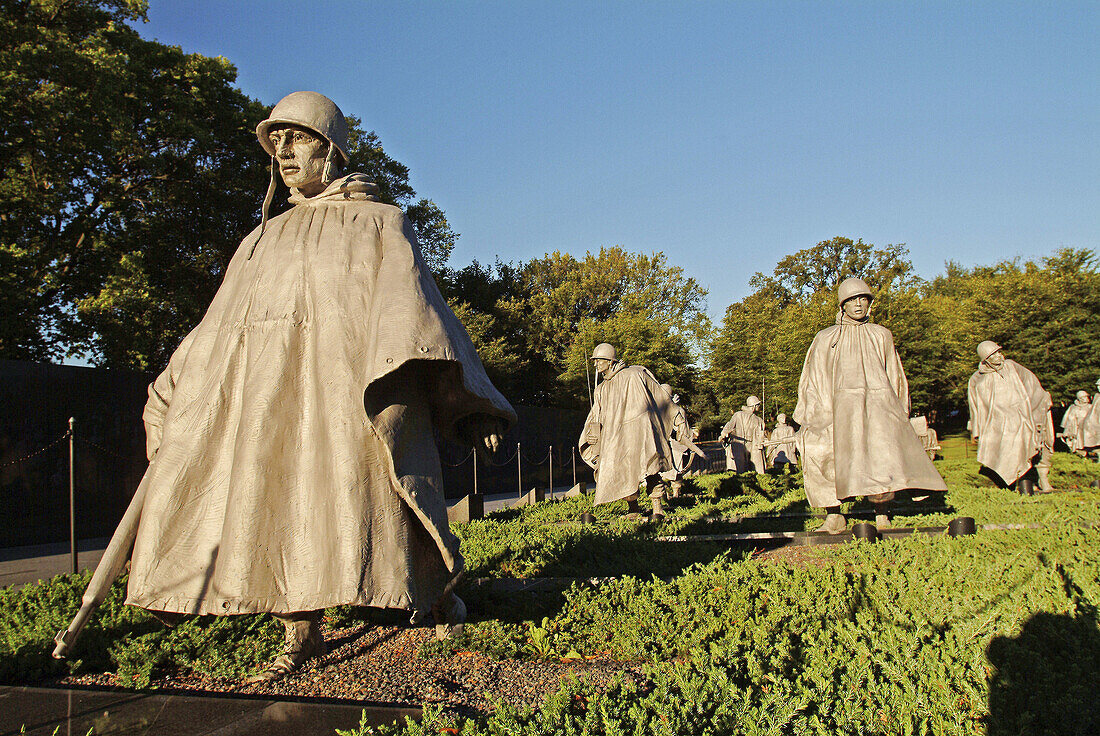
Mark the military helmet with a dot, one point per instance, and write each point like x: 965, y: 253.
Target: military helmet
x: 310, y: 110
x: 605, y: 351
x: 781, y: 418
x: 752, y: 401
x: 1083, y: 395
x: 987, y: 348
x: 851, y: 288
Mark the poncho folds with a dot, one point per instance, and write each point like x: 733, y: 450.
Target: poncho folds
x: 1090, y: 424
x: 1010, y: 417
x: 853, y: 405
x: 295, y: 466
x: 626, y: 435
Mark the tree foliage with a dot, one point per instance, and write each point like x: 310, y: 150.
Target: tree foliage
x: 646, y: 307
x: 131, y: 172
x: 546, y: 315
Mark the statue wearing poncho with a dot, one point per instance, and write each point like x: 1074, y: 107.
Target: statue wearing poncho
x: 293, y: 464
x: 1073, y: 423
x: 1090, y: 425
x: 779, y: 450
x: 853, y: 408
x: 626, y: 434
x: 1010, y: 417
x: 743, y: 436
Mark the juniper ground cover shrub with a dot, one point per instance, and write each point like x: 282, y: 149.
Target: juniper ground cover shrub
x: 995, y: 633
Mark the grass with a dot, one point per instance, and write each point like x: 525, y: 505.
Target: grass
x: 996, y: 633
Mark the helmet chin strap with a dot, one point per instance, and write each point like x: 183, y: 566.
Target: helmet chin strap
x: 328, y: 174
x: 266, y: 207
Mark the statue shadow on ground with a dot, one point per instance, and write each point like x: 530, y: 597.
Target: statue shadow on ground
x: 1045, y: 680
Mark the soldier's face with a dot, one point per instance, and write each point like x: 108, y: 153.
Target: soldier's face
x: 301, y: 158
x: 602, y: 364
x: 858, y: 307
x: 996, y: 360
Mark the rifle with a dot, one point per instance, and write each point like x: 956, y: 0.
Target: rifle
x: 108, y: 569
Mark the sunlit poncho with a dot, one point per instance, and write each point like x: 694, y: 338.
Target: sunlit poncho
x: 784, y: 452
x: 853, y: 405
x: 295, y: 466
x: 1073, y: 424
x: 626, y: 435
x: 743, y: 436
x: 1010, y: 417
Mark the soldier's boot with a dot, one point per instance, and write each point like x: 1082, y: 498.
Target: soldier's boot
x: 633, y: 510
x: 882, y: 514
x: 677, y: 488
x: 658, y: 510
x: 449, y: 613
x: 304, y: 641
x: 1044, y: 480
x: 835, y: 523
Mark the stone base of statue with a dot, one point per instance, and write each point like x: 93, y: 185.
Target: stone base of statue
x: 469, y: 508
x: 533, y: 496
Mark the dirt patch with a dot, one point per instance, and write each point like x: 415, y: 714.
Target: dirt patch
x: 379, y: 664
x: 795, y: 554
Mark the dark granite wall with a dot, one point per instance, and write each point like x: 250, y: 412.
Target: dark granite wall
x: 36, y: 401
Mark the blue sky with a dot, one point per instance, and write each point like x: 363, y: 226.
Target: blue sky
x: 725, y: 134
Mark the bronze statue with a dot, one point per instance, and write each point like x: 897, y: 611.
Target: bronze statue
x: 743, y: 436
x: 1010, y: 417
x: 293, y: 464
x: 1073, y: 423
x: 626, y: 435
x: 853, y: 408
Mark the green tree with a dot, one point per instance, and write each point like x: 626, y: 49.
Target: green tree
x: 799, y: 276
x: 1045, y: 314
x: 131, y: 173
x: 565, y: 306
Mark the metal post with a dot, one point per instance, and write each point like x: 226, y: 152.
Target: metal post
x: 72, y: 500
x: 551, y: 472
x: 519, y: 472
x: 573, y: 457
x: 475, y: 471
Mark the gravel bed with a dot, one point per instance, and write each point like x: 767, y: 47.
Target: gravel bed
x: 379, y: 665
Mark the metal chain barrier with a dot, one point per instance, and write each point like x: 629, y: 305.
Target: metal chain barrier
x: 102, y: 449
x: 39, y: 451
x: 460, y: 462
x: 506, y: 462
x: 526, y: 458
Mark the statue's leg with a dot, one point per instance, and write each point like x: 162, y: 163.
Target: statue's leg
x: 303, y: 642
x: 835, y: 523
x: 633, y: 510
x: 882, y: 511
x: 656, y: 490
x: 449, y: 612
x: 1043, y: 469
